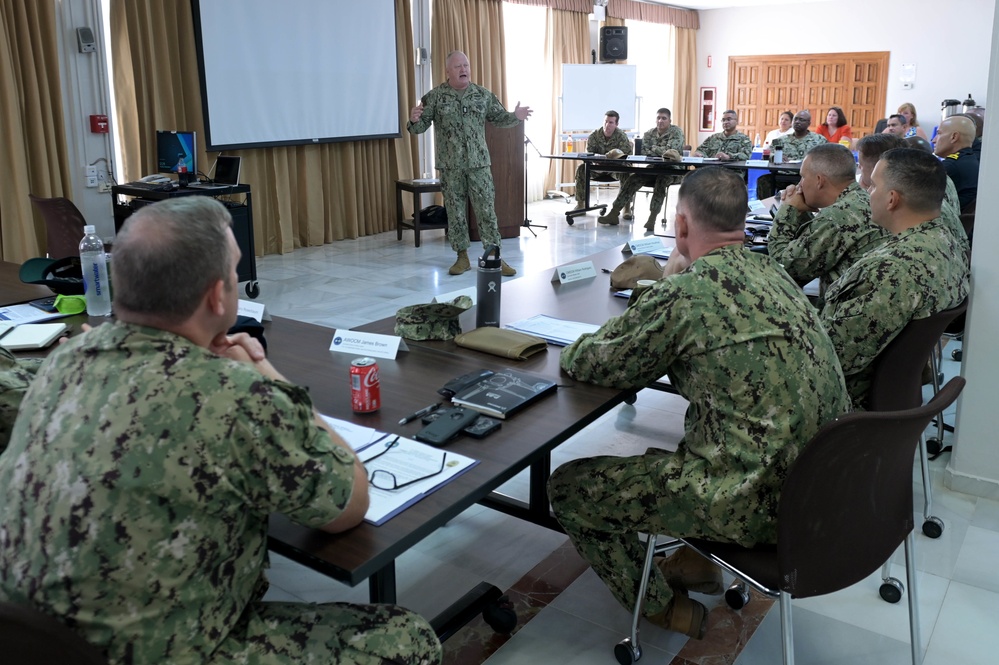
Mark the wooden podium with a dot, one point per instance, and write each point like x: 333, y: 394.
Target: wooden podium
x: 506, y: 150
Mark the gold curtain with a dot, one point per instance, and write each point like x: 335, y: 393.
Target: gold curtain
x: 568, y: 42
x: 653, y: 13
x: 685, y: 91
x: 474, y: 27
x: 302, y: 195
x: 34, y: 158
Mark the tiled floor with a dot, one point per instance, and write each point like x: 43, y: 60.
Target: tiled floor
x: 352, y: 282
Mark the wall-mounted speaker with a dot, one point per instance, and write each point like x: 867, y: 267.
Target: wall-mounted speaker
x: 85, y: 40
x: 613, y: 43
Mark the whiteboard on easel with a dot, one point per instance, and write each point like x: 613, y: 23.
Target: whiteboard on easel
x: 589, y: 91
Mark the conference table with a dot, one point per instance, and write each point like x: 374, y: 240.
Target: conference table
x: 652, y: 166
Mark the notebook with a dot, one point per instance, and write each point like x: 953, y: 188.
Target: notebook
x: 29, y: 335
x: 227, y: 169
x: 504, y: 393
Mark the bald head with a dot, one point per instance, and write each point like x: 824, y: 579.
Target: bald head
x: 955, y: 133
x: 457, y: 71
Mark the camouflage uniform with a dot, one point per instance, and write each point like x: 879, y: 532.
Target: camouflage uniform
x: 15, y: 377
x: 795, y: 149
x: 826, y: 244
x: 653, y: 145
x: 462, y: 156
x: 950, y: 213
x: 917, y: 273
x: 600, y: 144
x: 738, y: 146
x: 741, y: 342
x: 138, y: 484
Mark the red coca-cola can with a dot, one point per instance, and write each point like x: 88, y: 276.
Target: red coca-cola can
x: 365, y: 391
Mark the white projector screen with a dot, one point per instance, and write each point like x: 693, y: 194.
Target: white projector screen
x: 296, y: 71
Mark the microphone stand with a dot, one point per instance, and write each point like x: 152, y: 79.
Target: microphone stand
x: 527, y: 222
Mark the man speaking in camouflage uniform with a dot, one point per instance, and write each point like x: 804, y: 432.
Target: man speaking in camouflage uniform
x: 459, y: 109
x: 600, y: 142
x: 728, y: 144
x: 921, y: 270
x: 664, y: 140
x: 742, y: 344
x: 147, y: 458
x: 824, y: 225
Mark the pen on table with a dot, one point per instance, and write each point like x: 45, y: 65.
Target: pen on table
x: 8, y: 330
x: 419, y: 414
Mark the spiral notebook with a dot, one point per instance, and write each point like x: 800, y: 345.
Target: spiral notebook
x: 26, y: 336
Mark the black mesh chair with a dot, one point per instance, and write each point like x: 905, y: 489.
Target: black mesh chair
x: 29, y: 637
x: 63, y: 225
x: 844, y: 508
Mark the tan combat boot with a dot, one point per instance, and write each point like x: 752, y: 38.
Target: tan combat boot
x: 506, y: 270
x: 684, y: 616
x: 628, y: 214
x: 461, y: 264
x: 610, y: 219
x: 651, y: 224
x: 688, y: 570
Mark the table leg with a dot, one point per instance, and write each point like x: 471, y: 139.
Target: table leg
x: 416, y: 217
x: 398, y: 212
x: 381, y: 585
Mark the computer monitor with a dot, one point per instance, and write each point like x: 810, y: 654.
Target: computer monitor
x: 175, y: 148
x: 227, y: 170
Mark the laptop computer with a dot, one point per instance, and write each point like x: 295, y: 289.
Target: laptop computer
x: 227, y: 169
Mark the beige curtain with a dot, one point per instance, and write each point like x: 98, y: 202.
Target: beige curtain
x: 568, y: 42
x: 302, y: 195
x: 34, y: 158
x: 685, y: 91
x: 653, y: 13
x: 474, y: 27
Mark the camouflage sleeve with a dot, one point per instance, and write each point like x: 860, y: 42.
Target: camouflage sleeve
x: 592, y: 144
x: 674, y: 140
x: 806, y: 246
x: 498, y: 115
x: 15, y: 377
x: 709, y: 146
x: 618, y: 355
x: 427, y: 119
x: 744, y: 148
x: 624, y: 143
x: 283, y: 461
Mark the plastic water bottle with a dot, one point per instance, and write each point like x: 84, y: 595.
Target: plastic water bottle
x: 487, y: 306
x: 756, y: 143
x: 94, y: 262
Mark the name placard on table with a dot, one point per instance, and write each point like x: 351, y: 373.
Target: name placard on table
x: 574, y: 272
x: 367, y: 344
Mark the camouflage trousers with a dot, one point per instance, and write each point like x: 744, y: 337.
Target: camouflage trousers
x: 636, y: 181
x: 603, y: 503
x: 475, y: 185
x: 341, y: 633
x: 602, y: 176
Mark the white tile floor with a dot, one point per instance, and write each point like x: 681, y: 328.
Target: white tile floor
x: 352, y: 282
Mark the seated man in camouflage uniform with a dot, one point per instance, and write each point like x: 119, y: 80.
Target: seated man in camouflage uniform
x: 731, y: 318
x: 921, y: 270
x: 824, y: 225
x: 664, y: 140
x: 795, y: 146
x: 601, y: 142
x: 16, y: 375
x: 145, y: 462
x: 728, y: 144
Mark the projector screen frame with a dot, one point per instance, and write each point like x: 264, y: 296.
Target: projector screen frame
x: 212, y: 146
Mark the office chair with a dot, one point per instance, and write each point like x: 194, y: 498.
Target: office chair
x: 898, y: 384
x: 845, y: 506
x: 63, y: 225
x: 30, y: 637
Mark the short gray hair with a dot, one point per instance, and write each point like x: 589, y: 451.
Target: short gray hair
x: 834, y: 161
x: 169, y: 254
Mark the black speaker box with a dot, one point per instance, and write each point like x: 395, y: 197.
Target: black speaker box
x: 613, y: 43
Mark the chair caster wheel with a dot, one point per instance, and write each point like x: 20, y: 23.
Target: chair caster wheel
x: 569, y: 221
x: 500, y: 616
x: 933, y: 527
x: 933, y: 446
x: 956, y: 354
x: 253, y: 289
x: 891, y: 590
x: 631, y: 398
x: 737, y: 596
x: 625, y: 653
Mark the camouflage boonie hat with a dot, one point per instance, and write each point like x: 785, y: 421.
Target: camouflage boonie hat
x: 640, y: 266
x: 433, y: 321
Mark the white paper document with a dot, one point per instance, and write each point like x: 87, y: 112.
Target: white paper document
x: 27, y: 314
x: 406, y: 461
x: 357, y: 437
x: 554, y: 331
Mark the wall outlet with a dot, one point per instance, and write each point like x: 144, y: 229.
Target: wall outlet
x: 91, y: 181
x: 103, y: 187
x: 91, y: 173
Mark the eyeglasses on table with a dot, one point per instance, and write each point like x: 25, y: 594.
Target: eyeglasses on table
x: 386, y: 480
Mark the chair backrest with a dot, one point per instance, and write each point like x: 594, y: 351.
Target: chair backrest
x: 897, y: 381
x: 29, y: 637
x: 63, y: 225
x: 846, y: 504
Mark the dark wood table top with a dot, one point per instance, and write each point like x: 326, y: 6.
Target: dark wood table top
x: 13, y: 290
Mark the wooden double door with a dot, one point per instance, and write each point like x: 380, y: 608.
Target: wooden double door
x: 762, y: 86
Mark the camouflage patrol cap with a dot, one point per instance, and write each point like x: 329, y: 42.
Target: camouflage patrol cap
x: 616, y: 153
x: 433, y: 321
x: 640, y: 266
